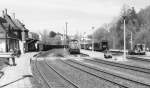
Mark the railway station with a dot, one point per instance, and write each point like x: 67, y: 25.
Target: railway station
x: 74, y: 44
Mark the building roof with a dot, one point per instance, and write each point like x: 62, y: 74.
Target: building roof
x: 4, y: 26
x: 11, y: 22
x: 20, y: 25
x: 2, y: 20
x: 1, y: 27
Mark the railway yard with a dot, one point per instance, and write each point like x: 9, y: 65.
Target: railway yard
x: 58, y: 69
x: 75, y: 44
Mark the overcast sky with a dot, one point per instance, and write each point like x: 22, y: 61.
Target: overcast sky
x: 81, y: 15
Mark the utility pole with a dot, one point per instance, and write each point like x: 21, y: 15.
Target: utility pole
x: 13, y: 15
x: 131, y: 42
x: 80, y: 40
x: 114, y: 44
x: 84, y: 40
x: 66, y: 32
x: 124, y: 21
x: 93, y: 40
x: 64, y: 39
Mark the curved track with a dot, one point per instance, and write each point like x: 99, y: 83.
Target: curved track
x: 67, y: 80
x: 77, y: 64
x: 45, y: 79
x: 41, y: 74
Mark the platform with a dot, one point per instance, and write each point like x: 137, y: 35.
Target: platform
x: 18, y: 76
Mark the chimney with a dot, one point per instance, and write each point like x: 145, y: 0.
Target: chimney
x: 6, y: 11
x: 3, y: 13
x: 14, y: 15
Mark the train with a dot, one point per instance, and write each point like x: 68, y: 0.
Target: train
x: 98, y: 46
x: 46, y: 47
x: 139, y: 49
x: 74, y: 47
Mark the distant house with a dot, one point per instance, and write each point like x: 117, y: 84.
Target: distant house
x: 85, y: 40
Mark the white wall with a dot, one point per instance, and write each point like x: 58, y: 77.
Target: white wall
x: 2, y: 45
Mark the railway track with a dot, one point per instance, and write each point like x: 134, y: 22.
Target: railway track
x: 122, y: 65
x: 41, y: 74
x: 80, y: 55
x: 138, y: 58
x: 96, y: 72
x: 46, y: 80
x: 67, y: 80
x: 129, y: 73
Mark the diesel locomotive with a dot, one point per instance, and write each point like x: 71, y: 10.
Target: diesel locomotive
x: 74, y: 47
x: 139, y: 49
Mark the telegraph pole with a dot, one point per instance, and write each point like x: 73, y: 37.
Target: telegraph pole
x: 66, y: 28
x: 124, y: 21
x: 84, y: 40
x: 66, y: 31
x: 93, y: 40
x: 131, y: 42
x: 64, y: 39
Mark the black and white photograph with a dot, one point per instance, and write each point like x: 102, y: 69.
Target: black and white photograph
x: 74, y: 43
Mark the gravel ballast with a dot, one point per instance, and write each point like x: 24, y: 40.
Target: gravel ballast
x: 82, y: 79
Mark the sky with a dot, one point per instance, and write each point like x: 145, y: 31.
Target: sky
x: 81, y: 15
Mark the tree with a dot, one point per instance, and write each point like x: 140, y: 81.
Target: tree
x: 132, y: 25
x: 144, y: 17
x: 44, y: 36
x: 137, y: 23
x: 52, y: 34
x: 143, y: 37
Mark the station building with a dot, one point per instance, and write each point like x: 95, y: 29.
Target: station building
x: 9, y: 34
x: 14, y: 35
